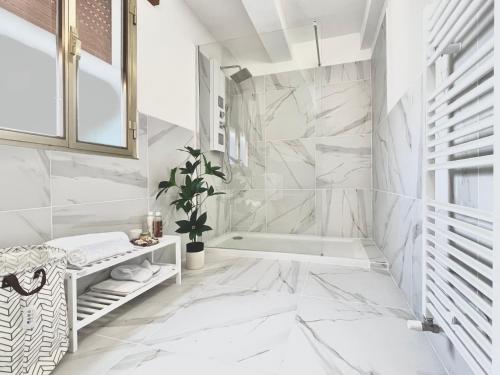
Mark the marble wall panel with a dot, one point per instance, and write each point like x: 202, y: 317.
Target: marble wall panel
x: 380, y: 155
x: 25, y: 227
x: 290, y: 80
x: 397, y: 232
x: 291, y: 164
x: 99, y: 217
x: 397, y: 147
x: 81, y: 178
x: 290, y: 113
x: 345, y: 212
x: 344, y: 108
x: 219, y: 216
x: 164, y: 141
x: 404, y: 143
x: 25, y: 178
x: 379, y: 76
x: 344, y: 162
x: 248, y: 210
x: 291, y: 212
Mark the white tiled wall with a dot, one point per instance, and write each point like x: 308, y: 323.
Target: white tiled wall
x: 47, y: 194
x: 397, y: 178
x: 309, y: 135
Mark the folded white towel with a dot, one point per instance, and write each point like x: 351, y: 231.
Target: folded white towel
x: 152, y: 267
x: 89, y: 248
x: 135, y: 272
x: 131, y: 272
x: 119, y: 288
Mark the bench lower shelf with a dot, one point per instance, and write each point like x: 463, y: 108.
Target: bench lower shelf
x: 94, y: 305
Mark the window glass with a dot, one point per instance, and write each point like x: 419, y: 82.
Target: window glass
x: 30, y: 95
x: 100, y: 96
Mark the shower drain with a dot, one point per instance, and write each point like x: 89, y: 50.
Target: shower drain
x: 237, y: 238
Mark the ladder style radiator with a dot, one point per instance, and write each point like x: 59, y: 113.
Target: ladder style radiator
x: 459, y: 213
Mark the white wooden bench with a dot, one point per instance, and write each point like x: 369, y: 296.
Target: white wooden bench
x: 86, y: 308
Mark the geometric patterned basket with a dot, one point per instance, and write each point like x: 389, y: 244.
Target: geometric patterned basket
x: 33, y: 312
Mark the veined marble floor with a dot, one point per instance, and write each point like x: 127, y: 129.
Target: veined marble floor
x: 249, y: 316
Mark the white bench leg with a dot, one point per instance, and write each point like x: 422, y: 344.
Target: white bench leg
x: 178, y: 261
x: 71, y: 293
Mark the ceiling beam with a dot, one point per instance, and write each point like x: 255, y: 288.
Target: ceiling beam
x: 373, y: 12
x: 266, y: 18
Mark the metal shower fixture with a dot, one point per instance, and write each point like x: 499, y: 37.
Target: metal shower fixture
x: 241, y: 75
x: 315, y: 26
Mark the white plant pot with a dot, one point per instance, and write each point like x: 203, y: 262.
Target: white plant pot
x: 195, y: 261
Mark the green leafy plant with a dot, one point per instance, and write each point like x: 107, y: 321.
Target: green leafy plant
x: 193, y: 193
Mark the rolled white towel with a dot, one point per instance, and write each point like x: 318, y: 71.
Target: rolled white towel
x: 89, y: 248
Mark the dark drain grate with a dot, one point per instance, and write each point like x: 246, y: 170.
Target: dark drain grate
x: 237, y: 238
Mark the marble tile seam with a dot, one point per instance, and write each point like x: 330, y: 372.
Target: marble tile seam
x: 397, y: 194
x: 25, y: 209
x: 146, y: 197
x: 330, y: 137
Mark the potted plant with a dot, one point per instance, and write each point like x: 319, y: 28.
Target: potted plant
x: 192, y: 194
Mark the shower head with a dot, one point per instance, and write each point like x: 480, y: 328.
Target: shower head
x: 241, y: 75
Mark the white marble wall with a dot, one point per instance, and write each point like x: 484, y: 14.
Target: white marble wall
x: 397, y: 197
x: 48, y: 194
x: 397, y: 178
x: 309, y: 169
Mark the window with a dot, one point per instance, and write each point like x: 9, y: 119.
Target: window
x: 68, y: 74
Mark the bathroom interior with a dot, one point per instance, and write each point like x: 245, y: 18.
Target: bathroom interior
x: 254, y: 187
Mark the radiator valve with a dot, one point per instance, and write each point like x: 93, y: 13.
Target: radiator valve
x: 426, y: 325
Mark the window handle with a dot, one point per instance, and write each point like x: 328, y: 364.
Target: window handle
x: 75, y: 44
x: 133, y: 11
x: 132, y: 125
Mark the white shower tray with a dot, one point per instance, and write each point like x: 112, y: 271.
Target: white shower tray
x: 88, y: 307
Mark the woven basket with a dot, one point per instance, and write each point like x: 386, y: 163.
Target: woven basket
x: 33, y: 313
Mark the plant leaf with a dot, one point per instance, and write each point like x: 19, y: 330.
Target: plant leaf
x: 165, y: 185
x: 160, y: 193
x: 193, y: 219
x: 184, y: 226
x: 205, y: 228
x: 201, y: 220
x: 193, y: 151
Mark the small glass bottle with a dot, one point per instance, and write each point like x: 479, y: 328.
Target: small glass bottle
x: 157, y: 225
x: 149, y: 222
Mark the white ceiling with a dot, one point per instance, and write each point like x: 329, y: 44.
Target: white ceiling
x: 335, y: 17
x: 265, y: 30
x: 228, y: 19
x: 224, y: 19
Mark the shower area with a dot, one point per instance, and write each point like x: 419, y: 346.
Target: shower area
x: 298, y: 154
x: 360, y: 161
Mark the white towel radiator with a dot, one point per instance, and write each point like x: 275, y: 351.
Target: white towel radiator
x: 461, y: 260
